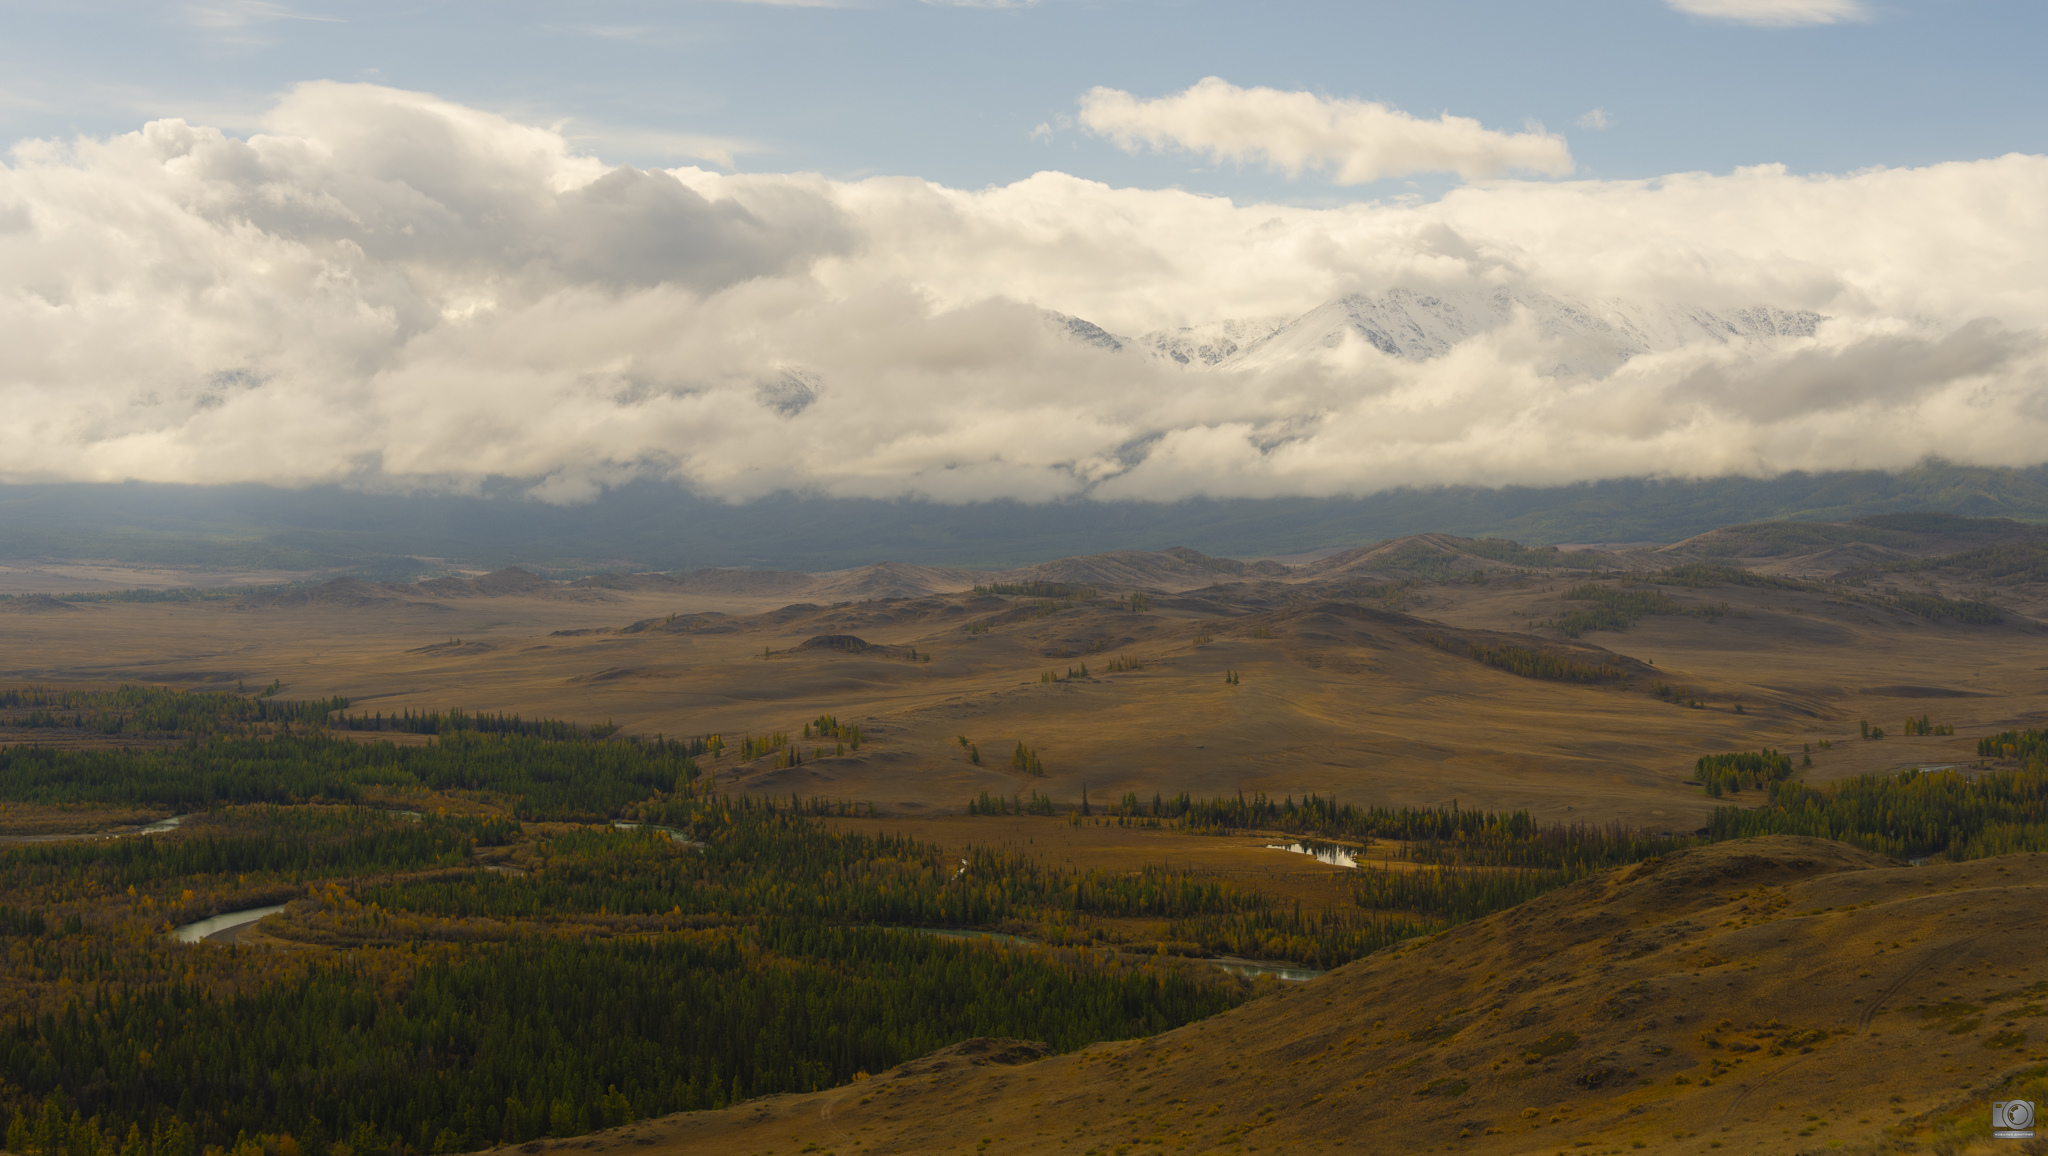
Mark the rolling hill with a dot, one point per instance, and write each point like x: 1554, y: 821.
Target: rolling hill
x: 1774, y: 995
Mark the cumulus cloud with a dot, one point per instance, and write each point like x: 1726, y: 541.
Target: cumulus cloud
x: 1596, y: 119
x: 388, y: 290
x: 1776, y: 13
x: 1295, y: 131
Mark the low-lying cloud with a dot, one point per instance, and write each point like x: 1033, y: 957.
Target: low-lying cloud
x: 387, y: 290
x: 1359, y: 140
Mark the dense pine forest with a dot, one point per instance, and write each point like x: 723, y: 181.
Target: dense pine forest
x: 585, y: 976
x: 1952, y: 814
x: 538, y: 779
x: 554, y: 1036
x: 143, y: 710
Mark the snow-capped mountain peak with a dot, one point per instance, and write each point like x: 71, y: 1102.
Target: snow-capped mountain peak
x: 1417, y: 325
x: 1598, y: 338
x: 1210, y: 344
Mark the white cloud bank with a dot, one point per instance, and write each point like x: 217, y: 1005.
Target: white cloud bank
x: 388, y: 290
x: 1292, y: 131
x: 1776, y: 13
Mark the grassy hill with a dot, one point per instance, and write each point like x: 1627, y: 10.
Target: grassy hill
x: 1774, y: 995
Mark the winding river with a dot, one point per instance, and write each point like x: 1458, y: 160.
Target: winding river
x: 208, y: 928
x: 156, y: 828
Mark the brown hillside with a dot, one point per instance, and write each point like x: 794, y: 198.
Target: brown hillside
x: 1777, y: 995
x: 887, y: 580
x: 511, y: 581
x: 1175, y: 568
x: 1824, y: 549
x: 347, y: 593
x: 36, y: 604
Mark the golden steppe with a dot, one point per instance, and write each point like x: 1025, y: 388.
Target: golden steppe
x: 1343, y: 688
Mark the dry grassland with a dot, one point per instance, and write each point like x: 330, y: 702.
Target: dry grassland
x: 1338, y: 701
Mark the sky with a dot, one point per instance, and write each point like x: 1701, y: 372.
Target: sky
x: 832, y: 247
x: 953, y: 92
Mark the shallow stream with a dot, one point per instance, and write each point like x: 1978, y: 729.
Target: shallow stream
x: 156, y: 828
x: 194, y: 932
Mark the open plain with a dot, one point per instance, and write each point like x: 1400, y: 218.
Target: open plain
x: 1352, y: 674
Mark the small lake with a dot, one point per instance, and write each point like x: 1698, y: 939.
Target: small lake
x: 1330, y: 853
x: 194, y: 932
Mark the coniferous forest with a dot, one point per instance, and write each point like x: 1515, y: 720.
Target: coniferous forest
x: 599, y: 973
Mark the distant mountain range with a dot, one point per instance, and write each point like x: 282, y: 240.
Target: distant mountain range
x: 1596, y: 337
x: 1970, y: 555
x: 648, y: 526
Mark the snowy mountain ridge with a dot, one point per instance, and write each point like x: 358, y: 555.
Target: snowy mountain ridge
x: 1211, y: 344
x: 1417, y: 326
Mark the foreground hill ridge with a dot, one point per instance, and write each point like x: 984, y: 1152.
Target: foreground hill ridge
x: 1771, y: 995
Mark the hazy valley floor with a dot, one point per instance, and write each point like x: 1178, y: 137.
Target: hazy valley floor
x: 1338, y: 691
